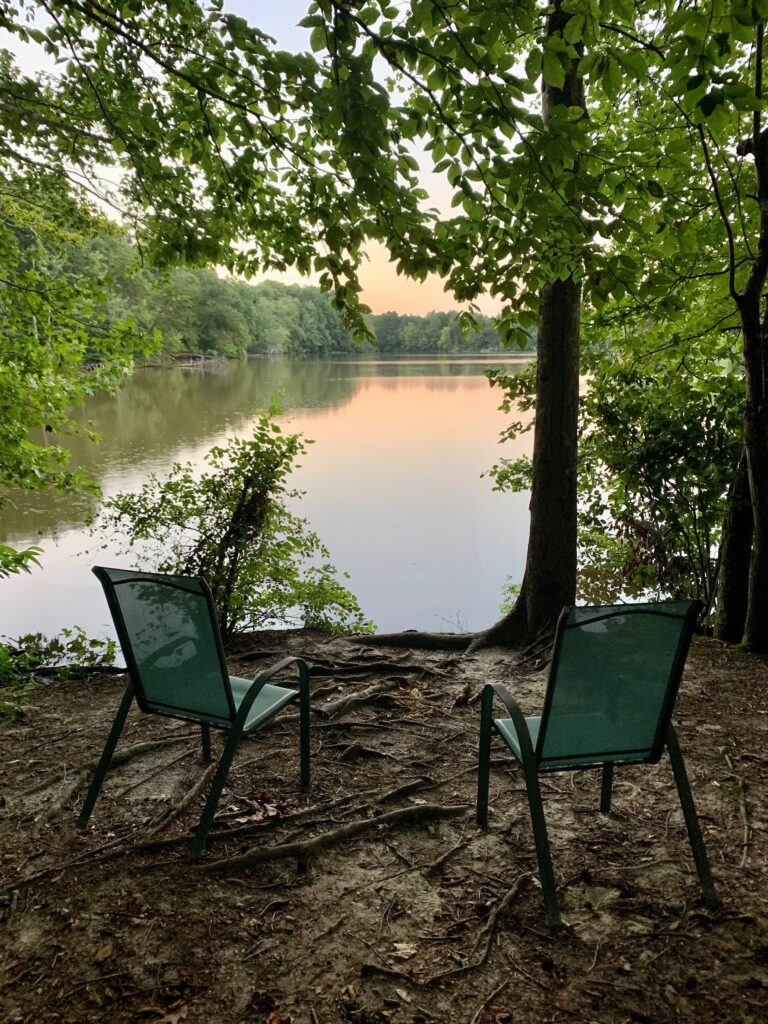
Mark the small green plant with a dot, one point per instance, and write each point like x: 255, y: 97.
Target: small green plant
x: 13, y: 561
x: 230, y: 525
x: 509, y: 595
x: 25, y: 660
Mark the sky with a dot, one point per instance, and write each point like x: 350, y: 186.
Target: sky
x: 382, y: 288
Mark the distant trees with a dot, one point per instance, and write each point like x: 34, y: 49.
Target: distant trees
x: 58, y: 343
x: 199, y: 312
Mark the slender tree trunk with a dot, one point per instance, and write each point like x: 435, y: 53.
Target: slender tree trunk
x: 735, y: 554
x: 549, y: 582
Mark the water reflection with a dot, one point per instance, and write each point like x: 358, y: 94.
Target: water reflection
x: 392, y: 484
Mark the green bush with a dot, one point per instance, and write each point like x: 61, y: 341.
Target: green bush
x: 64, y: 656
x: 230, y: 525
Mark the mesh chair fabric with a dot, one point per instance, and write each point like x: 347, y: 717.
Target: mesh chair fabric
x: 614, y: 677
x: 170, y: 641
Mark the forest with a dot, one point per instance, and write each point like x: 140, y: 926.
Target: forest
x: 197, y: 311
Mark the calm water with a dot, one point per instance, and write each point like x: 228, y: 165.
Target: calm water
x: 392, y: 484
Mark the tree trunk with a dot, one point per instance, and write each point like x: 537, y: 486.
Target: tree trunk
x: 756, y: 444
x: 754, y: 327
x: 549, y: 581
x: 735, y: 554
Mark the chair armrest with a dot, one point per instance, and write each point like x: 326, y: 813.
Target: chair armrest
x: 263, y: 678
x: 516, y: 715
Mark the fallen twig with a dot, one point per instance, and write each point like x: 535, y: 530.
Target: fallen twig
x: 486, y: 935
x: 476, y: 1016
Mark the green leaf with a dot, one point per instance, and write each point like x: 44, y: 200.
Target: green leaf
x: 611, y: 79
x: 574, y: 28
x: 317, y: 38
x: 553, y: 70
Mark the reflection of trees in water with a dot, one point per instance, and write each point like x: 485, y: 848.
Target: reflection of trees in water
x: 159, y: 411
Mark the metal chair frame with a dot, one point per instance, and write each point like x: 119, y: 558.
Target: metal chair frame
x: 235, y: 725
x: 530, y: 759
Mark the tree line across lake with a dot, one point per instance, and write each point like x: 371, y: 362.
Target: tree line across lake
x: 196, y: 311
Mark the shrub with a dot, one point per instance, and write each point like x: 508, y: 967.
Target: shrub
x: 230, y: 525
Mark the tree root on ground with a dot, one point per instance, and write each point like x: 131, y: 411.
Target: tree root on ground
x: 304, y: 849
x: 78, y: 776
x: 418, y: 640
x: 485, y: 938
x: 370, y: 695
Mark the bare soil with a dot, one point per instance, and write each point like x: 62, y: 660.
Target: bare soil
x: 420, y: 917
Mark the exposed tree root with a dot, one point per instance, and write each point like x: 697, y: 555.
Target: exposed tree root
x: 485, y: 937
x: 174, y: 812
x: 83, y: 771
x: 307, y: 847
x: 355, y: 700
x: 419, y: 641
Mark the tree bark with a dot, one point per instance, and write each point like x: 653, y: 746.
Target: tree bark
x: 754, y: 326
x: 549, y: 581
x: 735, y: 554
x: 756, y: 444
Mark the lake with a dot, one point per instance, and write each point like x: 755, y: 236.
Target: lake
x: 392, y: 483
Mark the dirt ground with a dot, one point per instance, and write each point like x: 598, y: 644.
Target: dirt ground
x: 419, y: 917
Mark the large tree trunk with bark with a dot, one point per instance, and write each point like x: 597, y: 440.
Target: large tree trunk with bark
x: 549, y: 581
x: 754, y: 326
x: 755, y: 334
x: 735, y: 554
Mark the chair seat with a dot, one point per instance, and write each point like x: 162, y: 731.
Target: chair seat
x: 507, y: 729
x: 578, y: 732
x: 268, y: 702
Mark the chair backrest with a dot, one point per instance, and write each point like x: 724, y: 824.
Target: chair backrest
x: 613, y: 682
x: 171, y: 643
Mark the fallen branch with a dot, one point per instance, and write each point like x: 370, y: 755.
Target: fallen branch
x: 435, y: 866
x: 478, y: 1013
x: 304, y: 849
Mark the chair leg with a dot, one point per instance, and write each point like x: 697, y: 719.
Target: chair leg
x: 214, y: 794
x: 711, y: 898
x: 106, y: 758
x: 304, y: 733
x: 543, y: 854
x: 205, y: 737
x: 484, y: 758
x: 607, y: 787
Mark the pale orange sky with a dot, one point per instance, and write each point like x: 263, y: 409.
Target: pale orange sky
x: 384, y: 290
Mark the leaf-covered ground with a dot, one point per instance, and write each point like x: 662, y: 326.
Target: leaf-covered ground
x: 416, y: 917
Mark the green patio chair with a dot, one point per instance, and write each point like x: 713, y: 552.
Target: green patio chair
x: 613, y: 680
x: 172, y: 647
